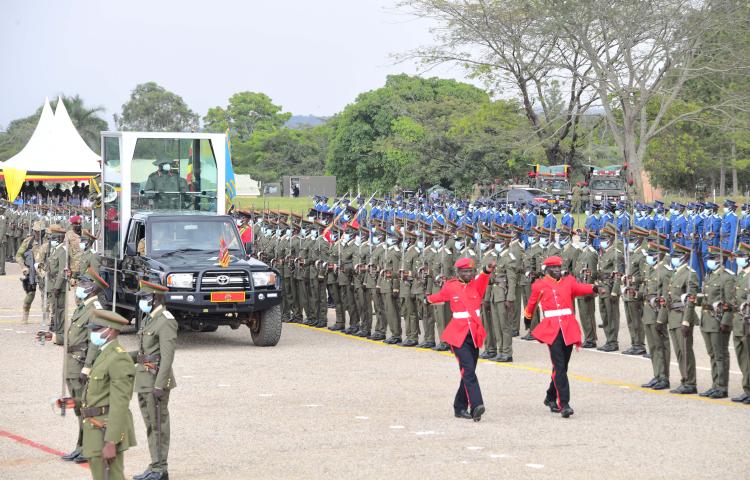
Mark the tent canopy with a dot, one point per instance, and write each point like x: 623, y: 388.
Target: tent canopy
x: 55, y: 150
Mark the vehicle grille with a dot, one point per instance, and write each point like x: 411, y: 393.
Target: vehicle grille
x: 238, y: 280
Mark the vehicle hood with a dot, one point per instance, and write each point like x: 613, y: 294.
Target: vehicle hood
x: 204, y: 261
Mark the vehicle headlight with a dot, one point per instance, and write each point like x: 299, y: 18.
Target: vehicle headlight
x: 180, y: 280
x: 264, y: 279
x: 623, y: 197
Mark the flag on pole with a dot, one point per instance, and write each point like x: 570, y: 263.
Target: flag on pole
x: 223, y: 254
x: 230, y: 187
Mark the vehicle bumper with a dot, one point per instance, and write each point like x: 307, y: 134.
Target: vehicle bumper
x: 200, y: 302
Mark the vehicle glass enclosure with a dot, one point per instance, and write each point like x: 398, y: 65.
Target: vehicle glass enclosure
x: 169, y: 172
x: 557, y: 184
x: 199, y: 235
x: 607, y: 184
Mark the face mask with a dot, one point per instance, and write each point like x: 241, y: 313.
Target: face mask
x: 498, y: 247
x: 288, y: 231
x: 358, y: 240
x: 564, y: 241
x: 82, y: 246
x: 676, y: 262
x: 420, y: 244
x: 459, y: 245
x: 346, y: 237
x: 651, y: 260
x: 604, y: 244
x: 334, y: 237
x: 54, y: 243
x: 375, y: 240
x: 632, y: 247
x: 532, y: 240
x: 482, y: 246
x: 314, y: 234
x: 97, y: 338
x: 712, y: 264
x: 600, y: 212
x: 145, y: 306
x: 618, y: 212
x: 726, y: 209
x: 165, y: 167
x: 690, y: 212
x: 80, y: 292
x: 303, y: 232
x: 543, y: 242
x: 390, y: 241
x: 706, y: 212
x: 742, y: 262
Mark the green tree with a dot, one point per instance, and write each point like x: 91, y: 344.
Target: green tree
x: 152, y: 108
x: 246, y: 113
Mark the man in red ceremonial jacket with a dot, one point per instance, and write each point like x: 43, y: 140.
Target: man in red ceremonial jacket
x: 558, y: 327
x: 465, y: 332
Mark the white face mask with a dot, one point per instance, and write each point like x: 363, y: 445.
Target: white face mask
x: 532, y: 240
x: 543, y: 241
x: 145, y: 306
x: 54, y: 243
x: 303, y: 232
x: 375, y: 241
x: 82, y: 246
x: 314, y: 234
x: 604, y: 244
x: 97, y: 338
x: 499, y: 247
x: 165, y: 167
x: 632, y: 247
x: 482, y: 246
x: 288, y: 231
x: 563, y: 241
x: 651, y: 260
x: 726, y: 210
x: 390, y: 241
x: 459, y: 245
x: 420, y: 244
x: 742, y: 262
x: 358, y: 240
x: 712, y: 264
x: 437, y: 243
x: 80, y: 292
x: 676, y: 262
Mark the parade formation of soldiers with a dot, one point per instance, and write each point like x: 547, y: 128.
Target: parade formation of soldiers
x: 672, y: 270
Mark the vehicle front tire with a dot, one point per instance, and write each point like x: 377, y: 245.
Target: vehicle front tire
x: 267, y: 331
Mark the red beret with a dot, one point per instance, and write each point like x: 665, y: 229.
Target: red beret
x: 553, y: 261
x: 75, y: 219
x: 465, y: 262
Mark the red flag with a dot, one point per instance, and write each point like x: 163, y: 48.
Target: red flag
x: 223, y: 254
x: 327, y: 233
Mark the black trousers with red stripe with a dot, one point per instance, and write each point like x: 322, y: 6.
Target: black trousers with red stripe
x: 559, y: 388
x: 469, y: 394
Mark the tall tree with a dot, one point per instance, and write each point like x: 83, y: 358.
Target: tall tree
x: 152, y: 108
x: 508, y: 45
x: 246, y: 113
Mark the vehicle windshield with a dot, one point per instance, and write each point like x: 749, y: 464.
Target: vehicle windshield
x: 192, y: 235
x: 536, y: 192
x: 606, y: 184
x: 557, y: 184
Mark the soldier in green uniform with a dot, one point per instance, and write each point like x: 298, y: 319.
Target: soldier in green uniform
x: 301, y: 269
x: 678, y: 315
x: 376, y: 260
x: 165, y: 186
x: 740, y: 326
x: 317, y: 273
x: 631, y: 291
x: 716, y: 319
x: 81, y: 353
x: 533, y: 260
x: 28, y: 253
x: 503, y: 296
x: 3, y: 239
x: 523, y: 283
x: 345, y: 252
x: 89, y: 258
x: 487, y: 253
x: 56, y: 268
x: 332, y: 264
x: 585, y: 270
x: 610, y: 269
x: 388, y: 284
x: 655, y: 288
x: 437, y: 260
x: 406, y: 280
x: 576, y: 198
x: 107, y: 422
x: 568, y: 252
x: 154, y: 378
x: 362, y: 296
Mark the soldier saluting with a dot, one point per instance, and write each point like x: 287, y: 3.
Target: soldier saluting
x: 107, y: 422
x: 154, y: 377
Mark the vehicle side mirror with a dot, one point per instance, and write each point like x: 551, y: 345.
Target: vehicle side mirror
x: 130, y: 250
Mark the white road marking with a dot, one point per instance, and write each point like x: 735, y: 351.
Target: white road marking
x: 624, y: 386
x: 265, y: 394
x: 362, y: 418
x: 499, y: 455
x: 8, y: 329
x: 474, y: 448
x: 188, y: 376
x: 20, y: 331
x: 396, y: 427
x: 223, y: 385
x: 425, y: 432
x: 534, y: 465
x: 312, y: 405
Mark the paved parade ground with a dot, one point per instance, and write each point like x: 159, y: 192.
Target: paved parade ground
x: 328, y: 405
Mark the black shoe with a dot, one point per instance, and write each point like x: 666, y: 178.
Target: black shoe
x: 661, y: 385
x: 426, y: 345
x: 629, y: 351
x: 336, y: 328
x: 608, y: 347
x: 707, y: 393
x: 589, y: 344
x: 487, y: 355
x: 527, y: 337
x: 362, y: 334
x: 477, y: 412
x: 348, y: 330
x: 515, y: 333
x: 443, y: 347
x: 684, y: 390
x: 746, y: 401
x: 646, y: 355
x: 462, y: 414
x: 552, y: 404
x: 719, y: 394
x: 639, y: 350
x: 741, y: 398
x: 409, y: 343
x: 377, y: 336
x: 156, y: 476
x: 651, y: 383
x: 72, y: 455
x: 503, y: 358
x: 142, y: 475
x: 321, y: 324
x: 80, y: 459
x: 566, y: 411
x: 392, y: 341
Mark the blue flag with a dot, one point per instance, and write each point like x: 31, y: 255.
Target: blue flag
x: 230, y: 186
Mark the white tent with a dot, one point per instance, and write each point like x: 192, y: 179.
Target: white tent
x: 55, y: 149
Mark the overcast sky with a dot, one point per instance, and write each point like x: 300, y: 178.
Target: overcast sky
x: 310, y: 56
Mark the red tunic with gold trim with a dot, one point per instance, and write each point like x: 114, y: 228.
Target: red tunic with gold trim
x: 555, y: 299
x: 465, y: 301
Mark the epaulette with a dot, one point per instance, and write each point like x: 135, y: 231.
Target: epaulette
x: 729, y: 271
x: 168, y: 315
x: 119, y: 349
x: 590, y: 247
x: 97, y: 305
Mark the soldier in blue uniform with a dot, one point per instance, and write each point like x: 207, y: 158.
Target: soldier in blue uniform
x: 622, y: 219
x: 678, y: 222
x: 550, y: 221
x: 728, y: 234
x: 567, y: 220
x: 694, y: 237
x: 662, y: 223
